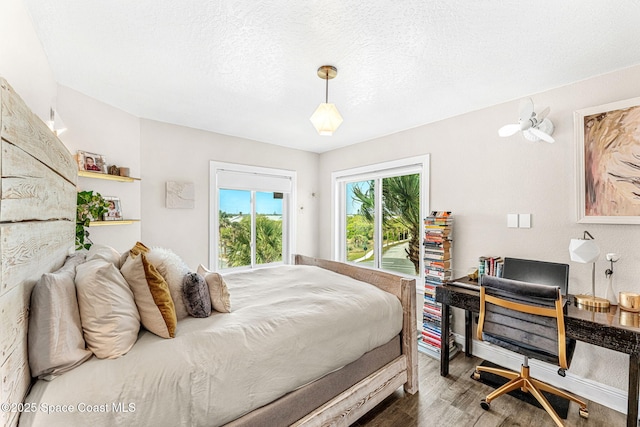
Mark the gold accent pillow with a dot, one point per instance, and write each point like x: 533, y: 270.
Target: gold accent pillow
x: 138, y: 249
x: 152, y: 296
x: 220, y: 298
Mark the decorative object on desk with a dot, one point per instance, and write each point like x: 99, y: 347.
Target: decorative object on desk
x: 89, y: 207
x: 610, y: 294
x: 180, y: 195
x: 114, y: 210
x: 606, y: 163
x: 534, y: 127
x: 586, y: 251
x: 114, y: 170
x: 629, y: 318
x: 630, y: 301
x: 124, y: 171
x: 91, y: 162
x: 473, y: 273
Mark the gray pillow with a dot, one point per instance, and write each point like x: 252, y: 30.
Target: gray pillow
x: 196, y: 295
x: 56, y: 343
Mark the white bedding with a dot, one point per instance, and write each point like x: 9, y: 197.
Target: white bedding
x: 289, y: 326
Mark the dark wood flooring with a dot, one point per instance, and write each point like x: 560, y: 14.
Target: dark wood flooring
x: 454, y: 401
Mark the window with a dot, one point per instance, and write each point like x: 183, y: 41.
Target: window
x: 378, y: 216
x: 251, y: 215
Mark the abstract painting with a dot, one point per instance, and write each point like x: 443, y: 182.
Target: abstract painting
x: 608, y: 163
x: 180, y: 195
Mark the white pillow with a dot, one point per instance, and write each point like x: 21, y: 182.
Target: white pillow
x: 104, y: 252
x: 108, y: 313
x: 173, y: 269
x: 56, y: 343
x: 220, y: 298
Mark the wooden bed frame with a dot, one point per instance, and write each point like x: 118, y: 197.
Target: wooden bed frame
x: 346, y: 408
x: 37, y: 232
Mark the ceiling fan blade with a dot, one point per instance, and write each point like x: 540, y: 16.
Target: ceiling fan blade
x: 526, y: 109
x: 543, y: 136
x: 540, y: 116
x: 508, y: 130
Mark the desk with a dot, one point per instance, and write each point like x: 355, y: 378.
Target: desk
x: 615, y: 330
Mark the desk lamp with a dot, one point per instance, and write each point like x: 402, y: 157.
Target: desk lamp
x: 586, y: 251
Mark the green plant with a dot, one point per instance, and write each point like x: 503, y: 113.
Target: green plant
x: 91, y: 206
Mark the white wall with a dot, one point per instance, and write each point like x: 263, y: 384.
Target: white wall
x: 482, y: 177
x: 176, y: 153
x: 22, y: 60
x: 100, y: 128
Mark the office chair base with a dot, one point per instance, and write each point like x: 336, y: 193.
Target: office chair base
x: 530, y: 385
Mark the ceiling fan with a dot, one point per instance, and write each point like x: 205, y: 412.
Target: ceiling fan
x: 534, y: 127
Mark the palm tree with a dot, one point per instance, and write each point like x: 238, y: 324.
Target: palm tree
x: 400, y: 206
x: 268, y: 241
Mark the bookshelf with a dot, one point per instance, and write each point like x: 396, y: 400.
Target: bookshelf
x: 438, y: 251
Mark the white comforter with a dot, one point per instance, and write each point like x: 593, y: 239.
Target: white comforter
x: 289, y: 326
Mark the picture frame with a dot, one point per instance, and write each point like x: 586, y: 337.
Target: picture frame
x: 114, y: 212
x: 91, y: 162
x: 608, y: 163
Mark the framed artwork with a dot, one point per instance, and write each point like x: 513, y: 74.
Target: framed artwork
x: 608, y: 163
x: 91, y: 162
x: 114, y: 211
x: 180, y: 195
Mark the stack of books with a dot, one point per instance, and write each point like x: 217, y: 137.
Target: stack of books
x: 490, y: 265
x: 437, y: 265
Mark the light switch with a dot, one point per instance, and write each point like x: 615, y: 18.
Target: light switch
x: 524, y: 220
x: 512, y: 220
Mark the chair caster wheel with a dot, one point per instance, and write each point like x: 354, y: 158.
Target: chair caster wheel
x: 562, y: 372
x: 584, y: 412
x: 476, y: 375
x: 485, y: 405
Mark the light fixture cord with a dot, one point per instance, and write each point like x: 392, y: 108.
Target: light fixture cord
x: 326, y: 93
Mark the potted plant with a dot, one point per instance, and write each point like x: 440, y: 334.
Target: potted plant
x: 91, y: 206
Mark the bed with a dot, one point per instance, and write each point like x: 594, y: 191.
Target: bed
x: 325, y: 381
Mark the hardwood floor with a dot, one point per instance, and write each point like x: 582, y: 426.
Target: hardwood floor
x: 454, y: 401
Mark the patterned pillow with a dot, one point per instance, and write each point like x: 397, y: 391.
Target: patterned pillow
x: 196, y: 295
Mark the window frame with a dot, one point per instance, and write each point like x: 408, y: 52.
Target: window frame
x: 339, y: 179
x: 288, y: 211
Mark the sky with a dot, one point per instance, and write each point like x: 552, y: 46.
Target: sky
x: 236, y: 201
x: 353, y: 206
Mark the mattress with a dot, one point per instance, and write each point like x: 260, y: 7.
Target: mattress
x: 289, y: 326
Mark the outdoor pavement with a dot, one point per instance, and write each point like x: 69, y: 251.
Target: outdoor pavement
x: 394, y: 259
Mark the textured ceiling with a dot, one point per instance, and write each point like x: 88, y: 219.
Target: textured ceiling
x: 248, y: 68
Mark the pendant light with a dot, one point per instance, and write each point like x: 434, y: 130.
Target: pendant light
x: 326, y: 118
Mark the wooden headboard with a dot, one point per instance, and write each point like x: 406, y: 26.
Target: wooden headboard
x: 37, y: 229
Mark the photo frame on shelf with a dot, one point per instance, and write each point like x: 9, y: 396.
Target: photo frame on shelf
x: 91, y: 162
x: 114, y: 211
x: 608, y: 163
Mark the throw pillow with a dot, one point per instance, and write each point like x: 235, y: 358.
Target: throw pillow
x: 220, y: 298
x: 108, y: 313
x: 152, y: 297
x: 138, y: 249
x: 56, y: 344
x: 196, y: 295
x: 173, y: 269
x: 104, y: 252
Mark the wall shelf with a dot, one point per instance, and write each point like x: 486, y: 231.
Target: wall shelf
x: 119, y: 222
x: 96, y: 175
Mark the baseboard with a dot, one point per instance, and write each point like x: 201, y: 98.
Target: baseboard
x: 602, y: 394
